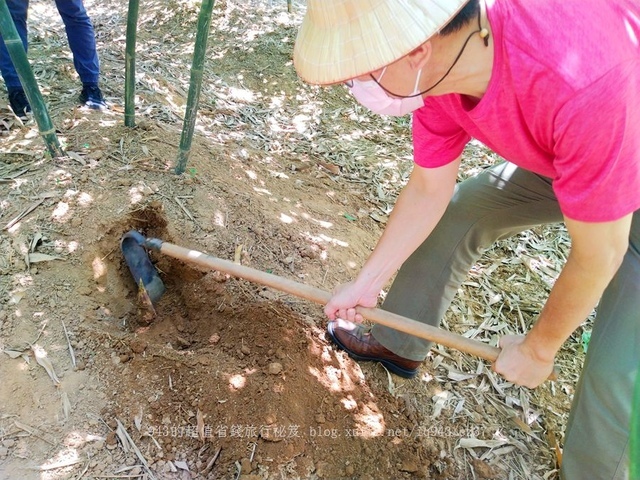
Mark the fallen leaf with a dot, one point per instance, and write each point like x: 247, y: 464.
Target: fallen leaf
x: 42, y: 257
x: 66, y: 405
x: 200, y: 425
x: 476, y: 442
x: 41, y: 357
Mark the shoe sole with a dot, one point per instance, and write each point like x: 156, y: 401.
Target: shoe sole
x: 392, y: 367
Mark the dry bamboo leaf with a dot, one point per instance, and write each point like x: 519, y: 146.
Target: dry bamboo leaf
x: 76, y: 157
x: 378, y: 218
x: 503, y: 450
x: 477, y: 442
x: 121, y: 431
x: 238, y: 254
x: 66, y: 405
x: 13, y: 353
x: 137, y: 420
x: 553, y: 442
x: 55, y: 466
x: 17, y: 296
x: 34, y: 242
x: 390, y: 385
x: 23, y: 214
x: 494, y: 381
x: 122, y: 435
x: 200, y: 425
x: 458, y: 376
x: 522, y: 425
x: 41, y: 357
x: 441, y: 400
x: 41, y: 257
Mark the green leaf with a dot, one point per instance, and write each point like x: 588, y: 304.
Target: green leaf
x: 351, y: 218
x: 586, y: 338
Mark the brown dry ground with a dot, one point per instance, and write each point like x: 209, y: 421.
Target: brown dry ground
x: 232, y: 379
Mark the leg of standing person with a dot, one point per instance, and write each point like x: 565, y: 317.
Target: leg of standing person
x: 82, y: 42
x: 597, y: 439
x: 17, y: 98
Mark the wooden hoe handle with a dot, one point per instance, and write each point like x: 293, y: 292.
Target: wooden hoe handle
x: 388, y: 319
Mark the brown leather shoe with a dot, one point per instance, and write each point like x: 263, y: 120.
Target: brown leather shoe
x: 357, y: 341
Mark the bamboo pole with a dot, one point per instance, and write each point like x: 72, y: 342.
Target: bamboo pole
x: 195, y: 84
x: 130, y: 65
x: 28, y: 80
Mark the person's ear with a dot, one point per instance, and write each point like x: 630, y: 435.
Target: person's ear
x: 419, y: 57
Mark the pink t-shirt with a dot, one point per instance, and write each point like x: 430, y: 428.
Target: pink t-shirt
x: 563, y: 101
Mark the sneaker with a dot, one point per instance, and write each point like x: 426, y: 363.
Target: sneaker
x: 19, y: 104
x: 91, y: 97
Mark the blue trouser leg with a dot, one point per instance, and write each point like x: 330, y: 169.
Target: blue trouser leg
x: 82, y: 39
x: 18, y: 9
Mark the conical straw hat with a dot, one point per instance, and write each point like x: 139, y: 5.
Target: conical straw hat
x: 342, y: 39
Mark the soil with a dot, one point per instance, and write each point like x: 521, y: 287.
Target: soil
x: 231, y: 379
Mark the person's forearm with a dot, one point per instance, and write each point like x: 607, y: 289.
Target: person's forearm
x: 417, y: 211
x: 580, y: 285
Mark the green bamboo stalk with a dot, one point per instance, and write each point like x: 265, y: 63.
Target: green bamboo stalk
x: 28, y: 80
x: 289, y: 6
x: 195, y: 84
x: 635, y: 432
x: 130, y: 65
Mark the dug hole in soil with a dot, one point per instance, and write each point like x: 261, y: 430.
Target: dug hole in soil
x: 230, y: 379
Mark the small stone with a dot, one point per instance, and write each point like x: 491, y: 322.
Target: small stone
x: 84, y: 290
x: 111, y: 440
x: 320, y: 418
x: 245, y: 465
x: 275, y: 368
x: 321, y: 469
x: 349, y: 470
x: 483, y: 469
x: 245, y: 349
x: 3, y: 452
x: 137, y: 345
x: 408, y: 465
x: 8, y: 443
x: 213, y: 339
x: 270, y: 419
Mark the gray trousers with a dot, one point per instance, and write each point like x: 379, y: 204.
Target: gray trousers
x: 494, y: 205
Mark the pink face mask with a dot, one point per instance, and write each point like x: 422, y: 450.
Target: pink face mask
x: 371, y: 95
